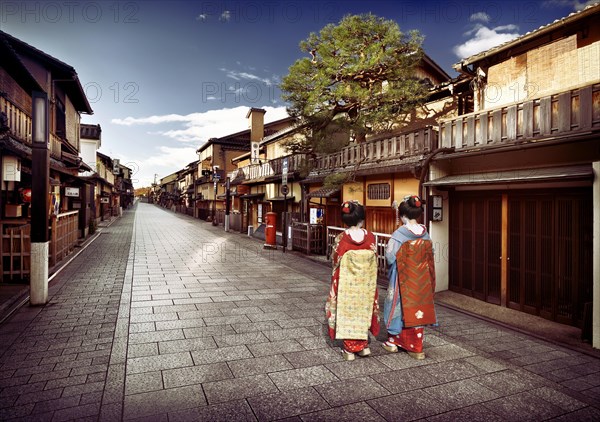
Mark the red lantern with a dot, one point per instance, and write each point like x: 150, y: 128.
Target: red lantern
x: 26, y: 195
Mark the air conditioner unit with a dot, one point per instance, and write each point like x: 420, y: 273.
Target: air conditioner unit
x: 11, y: 169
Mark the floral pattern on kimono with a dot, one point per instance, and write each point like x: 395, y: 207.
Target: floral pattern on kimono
x: 360, y: 299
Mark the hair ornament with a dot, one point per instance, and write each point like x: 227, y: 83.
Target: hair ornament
x: 346, y: 207
x: 417, y: 201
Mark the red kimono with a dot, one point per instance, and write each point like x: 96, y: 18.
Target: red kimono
x: 352, y: 307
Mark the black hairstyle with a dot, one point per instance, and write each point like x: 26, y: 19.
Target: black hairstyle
x: 352, y: 213
x: 411, y: 207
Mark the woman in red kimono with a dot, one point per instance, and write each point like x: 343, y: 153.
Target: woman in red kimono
x: 352, y: 309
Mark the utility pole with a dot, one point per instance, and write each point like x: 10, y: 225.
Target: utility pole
x: 227, y: 203
x: 40, y: 178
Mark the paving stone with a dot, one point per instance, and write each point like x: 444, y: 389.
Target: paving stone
x: 588, y: 414
x: 558, y: 398
x: 349, y: 413
x: 259, y: 365
x: 296, y: 333
x: 55, y: 404
x: 311, y: 343
x: 461, y: 393
x: 246, y: 310
x: 192, y: 344
x: 160, y: 362
x: 350, y: 391
x: 11, y: 382
x: 524, y: 404
x: 180, y: 323
x: 215, y: 330
x: 142, y: 349
x: 357, y: 368
x: 142, y: 327
x: 405, y: 380
x: 313, y: 357
x: 143, y: 383
x: 412, y: 405
x: 233, y: 411
x: 220, y: 354
x: 303, y: 377
x: 508, y: 382
x: 224, y: 320
x: 255, y: 326
x: 37, y: 396
x: 156, y: 336
x: 238, y: 388
x: 196, y: 374
x: 241, y: 339
x: 22, y: 389
x: 79, y: 412
x: 286, y: 404
x: 451, y: 371
x: 474, y: 413
x: 153, y: 317
x: 273, y: 348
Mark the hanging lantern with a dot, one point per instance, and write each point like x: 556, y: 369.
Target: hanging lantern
x: 26, y: 195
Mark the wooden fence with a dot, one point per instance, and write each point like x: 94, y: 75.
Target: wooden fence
x: 381, y: 240
x: 64, y: 237
x: 308, y: 238
x: 15, y: 250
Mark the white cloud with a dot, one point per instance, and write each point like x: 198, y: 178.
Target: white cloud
x: 169, y: 157
x: 225, y: 16
x: 484, y: 38
x: 238, y: 76
x: 480, y: 16
x: 199, y: 127
x: 201, y: 17
x: 164, y: 160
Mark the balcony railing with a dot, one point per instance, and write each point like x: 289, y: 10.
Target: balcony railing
x: 403, y: 145
x: 19, y: 122
x: 564, y: 113
x: 55, y: 146
x: 269, y: 168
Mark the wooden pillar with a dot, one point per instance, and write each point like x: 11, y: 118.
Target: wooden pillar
x: 504, y: 252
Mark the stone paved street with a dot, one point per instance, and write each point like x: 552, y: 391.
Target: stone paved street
x: 167, y: 318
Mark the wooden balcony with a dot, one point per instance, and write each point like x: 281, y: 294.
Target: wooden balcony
x: 55, y: 146
x: 19, y: 123
x: 400, y: 146
x: 270, y: 168
x: 567, y: 113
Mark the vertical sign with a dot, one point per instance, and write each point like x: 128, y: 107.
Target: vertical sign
x: 254, y: 152
x: 284, y: 171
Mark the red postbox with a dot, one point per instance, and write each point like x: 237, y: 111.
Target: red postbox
x: 271, y: 230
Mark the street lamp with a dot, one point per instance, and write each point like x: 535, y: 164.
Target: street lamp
x: 215, y: 180
x: 40, y: 176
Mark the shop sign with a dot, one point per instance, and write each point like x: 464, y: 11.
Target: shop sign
x: 72, y: 192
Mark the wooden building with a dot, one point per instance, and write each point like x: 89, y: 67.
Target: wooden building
x: 518, y: 192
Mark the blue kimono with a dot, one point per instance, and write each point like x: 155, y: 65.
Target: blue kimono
x: 394, y: 322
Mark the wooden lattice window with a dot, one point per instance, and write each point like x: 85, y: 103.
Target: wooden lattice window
x: 378, y: 191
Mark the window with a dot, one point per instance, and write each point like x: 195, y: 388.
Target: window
x: 378, y: 191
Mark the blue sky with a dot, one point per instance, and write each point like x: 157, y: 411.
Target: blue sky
x: 165, y: 76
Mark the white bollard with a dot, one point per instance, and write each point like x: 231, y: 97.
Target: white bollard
x: 38, y: 285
